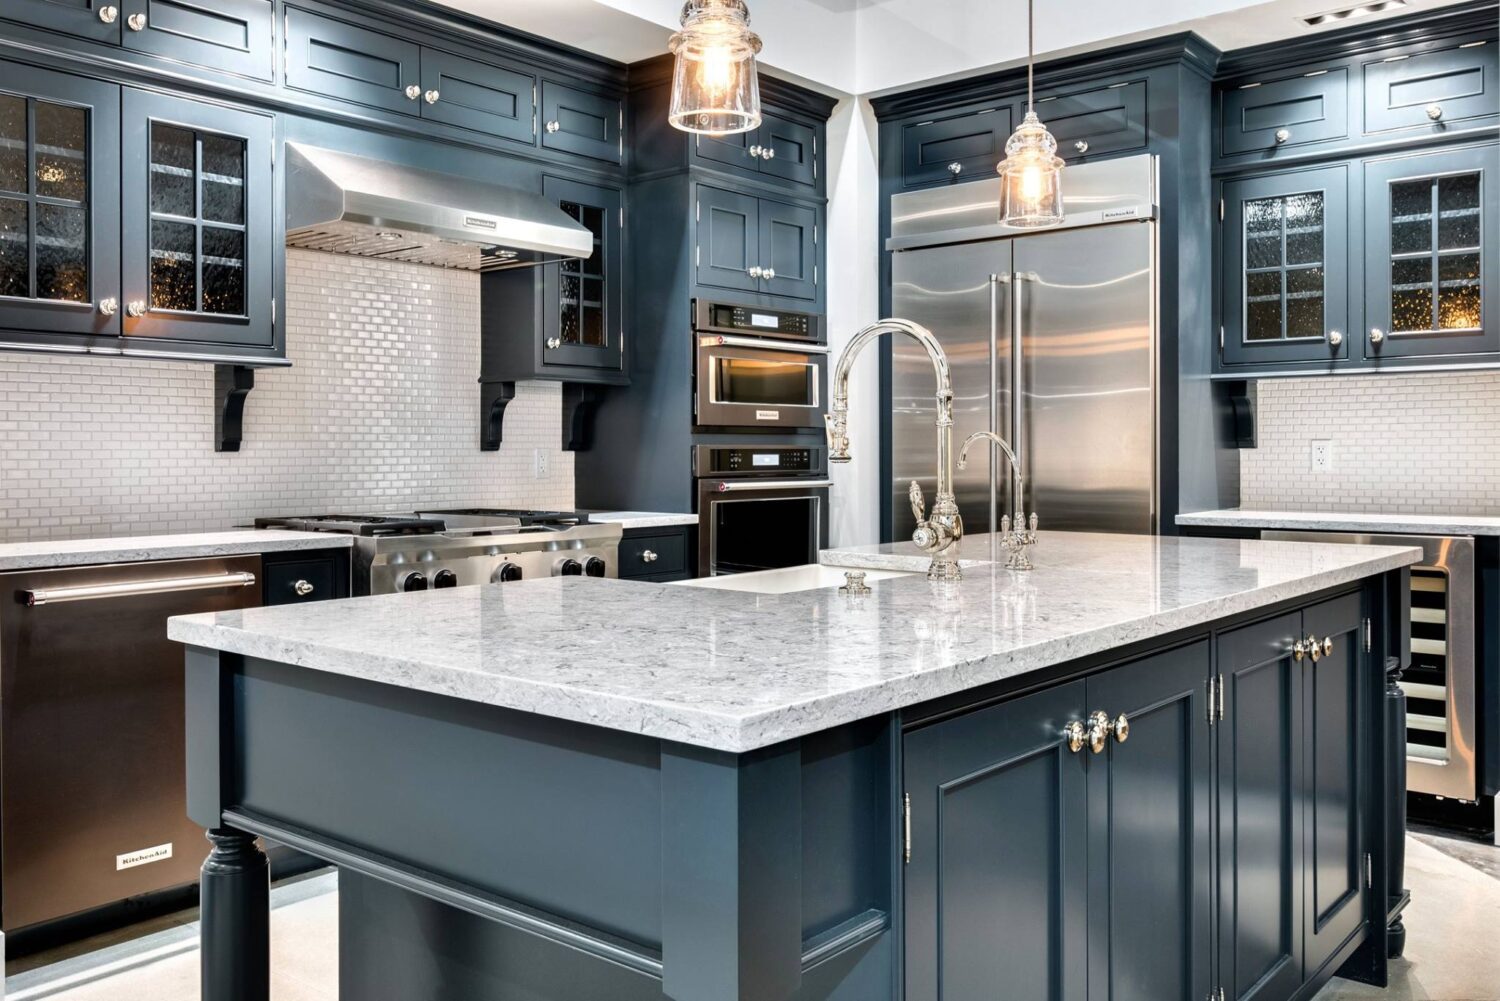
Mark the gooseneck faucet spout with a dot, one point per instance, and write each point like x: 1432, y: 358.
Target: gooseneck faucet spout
x: 938, y: 534
x: 1016, y: 532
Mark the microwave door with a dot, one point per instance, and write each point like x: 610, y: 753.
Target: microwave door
x: 765, y: 525
x: 742, y: 383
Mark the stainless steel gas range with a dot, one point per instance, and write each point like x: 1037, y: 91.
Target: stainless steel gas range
x: 441, y: 549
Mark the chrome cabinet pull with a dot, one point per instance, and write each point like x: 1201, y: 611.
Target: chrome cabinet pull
x: 726, y: 487
x: 1434, y: 112
x: 1073, y: 733
x: 136, y: 22
x: 1099, y: 728
x: 412, y: 92
x: 302, y: 588
x: 1327, y: 646
x: 553, y: 343
x: 768, y: 273
x: 85, y: 592
x: 110, y: 306
x: 1299, y: 650
x: 554, y: 126
x: 136, y: 308
x: 107, y: 14
x: 1121, y: 728
x: 1081, y: 145
x: 1376, y: 335
x: 769, y: 153
x: 754, y: 151
x: 1282, y: 135
x: 754, y: 272
x: 431, y: 97
x: 1335, y: 338
x: 1314, y: 648
x: 955, y: 169
x: 648, y: 555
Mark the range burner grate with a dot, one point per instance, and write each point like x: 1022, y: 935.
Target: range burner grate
x: 368, y: 525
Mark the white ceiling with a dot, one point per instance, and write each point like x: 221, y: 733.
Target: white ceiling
x: 875, y: 46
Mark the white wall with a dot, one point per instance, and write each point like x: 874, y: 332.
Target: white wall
x: 380, y: 411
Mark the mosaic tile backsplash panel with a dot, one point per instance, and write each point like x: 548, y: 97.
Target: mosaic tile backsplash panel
x: 1418, y: 443
x: 379, y: 411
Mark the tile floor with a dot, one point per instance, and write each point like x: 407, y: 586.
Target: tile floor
x: 1452, y: 947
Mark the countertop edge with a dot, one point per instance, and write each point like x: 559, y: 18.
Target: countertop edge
x: 146, y: 548
x: 1330, y: 521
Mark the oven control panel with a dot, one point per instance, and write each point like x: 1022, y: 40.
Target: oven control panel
x: 727, y: 318
x: 757, y: 460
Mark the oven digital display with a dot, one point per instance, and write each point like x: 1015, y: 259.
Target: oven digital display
x: 765, y: 320
x: 760, y: 459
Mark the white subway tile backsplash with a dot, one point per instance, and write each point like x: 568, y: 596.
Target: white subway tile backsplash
x: 1425, y: 443
x: 379, y: 411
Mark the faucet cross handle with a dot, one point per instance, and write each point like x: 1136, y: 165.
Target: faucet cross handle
x: 918, y: 502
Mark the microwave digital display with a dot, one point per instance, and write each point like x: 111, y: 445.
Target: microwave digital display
x: 720, y: 316
x: 762, y: 459
x: 765, y: 321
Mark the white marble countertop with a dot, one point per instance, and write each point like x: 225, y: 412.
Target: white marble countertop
x: 140, y: 548
x: 735, y: 671
x: 1346, y: 521
x: 643, y: 519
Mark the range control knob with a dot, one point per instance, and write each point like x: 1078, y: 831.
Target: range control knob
x: 505, y: 573
x: 571, y: 568
x: 414, y: 581
x: 594, y: 567
x: 445, y: 578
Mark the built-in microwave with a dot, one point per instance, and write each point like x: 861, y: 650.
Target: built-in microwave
x: 758, y: 369
x: 760, y: 507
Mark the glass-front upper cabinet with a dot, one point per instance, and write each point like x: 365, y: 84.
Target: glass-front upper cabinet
x: 1285, y: 292
x: 200, y: 241
x: 59, y: 206
x: 583, y: 323
x: 1431, y: 240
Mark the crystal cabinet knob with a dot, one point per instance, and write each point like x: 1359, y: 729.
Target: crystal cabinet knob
x: 136, y: 22
x: 136, y: 308
x: 302, y: 588
x: 769, y: 153
x: 1327, y: 646
x: 553, y: 343
x: 1376, y: 335
x: 413, y: 92
x: 648, y: 555
x: 1282, y: 135
x: 554, y: 126
x: 1081, y: 145
x: 1335, y: 338
x: 431, y: 97
x: 108, y: 307
x: 768, y: 273
x: 1435, y: 112
x: 955, y: 169
x: 108, y: 14
x: 754, y: 272
x: 755, y: 151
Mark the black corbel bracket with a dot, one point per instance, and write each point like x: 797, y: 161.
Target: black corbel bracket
x: 232, y: 383
x: 579, y: 401
x: 493, y: 398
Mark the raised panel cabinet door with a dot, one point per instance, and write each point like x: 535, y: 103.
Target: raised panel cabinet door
x: 581, y: 122
x: 1334, y: 676
x: 788, y: 149
x: 789, y: 249
x: 728, y: 244
x: 232, y: 36
x: 201, y: 247
x: 1285, y: 291
x: 1433, y: 90
x: 59, y: 203
x: 1150, y: 811
x: 1104, y: 120
x: 96, y: 19
x: 344, y: 61
x: 475, y: 95
x: 1263, y: 116
x: 1260, y: 876
x: 1432, y: 236
x: 995, y: 892
x: 584, y: 319
x: 958, y: 148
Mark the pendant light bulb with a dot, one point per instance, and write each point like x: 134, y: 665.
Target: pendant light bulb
x: 714, y: 85
x: 1031, y: 173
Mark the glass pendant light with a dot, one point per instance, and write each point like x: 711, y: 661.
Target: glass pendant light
x: 714, y: 88
x: 1031, y: 173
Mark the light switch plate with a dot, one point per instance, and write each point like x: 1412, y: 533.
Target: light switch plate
x: 1322, y: 455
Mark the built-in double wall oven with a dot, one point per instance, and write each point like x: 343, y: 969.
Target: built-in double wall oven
x: 759, y: 461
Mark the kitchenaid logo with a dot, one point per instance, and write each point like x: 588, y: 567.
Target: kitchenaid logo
x: 768, y: 415
x: 1129, y: 213
x: 143, y: 857
x: 470, y: 220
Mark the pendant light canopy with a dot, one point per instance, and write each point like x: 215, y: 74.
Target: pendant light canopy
x: 1031, y: 173
x: 714, y: 87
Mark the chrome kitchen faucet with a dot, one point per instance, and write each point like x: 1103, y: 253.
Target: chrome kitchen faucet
x: 939, y: 534
x: 1016, y: 530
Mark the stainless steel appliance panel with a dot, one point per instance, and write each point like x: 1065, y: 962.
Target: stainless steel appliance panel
x: 963, y: 295
x: 92, y: 804
x: 1086, y: 309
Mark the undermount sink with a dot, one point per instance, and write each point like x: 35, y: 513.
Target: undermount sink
x: 808, y: 577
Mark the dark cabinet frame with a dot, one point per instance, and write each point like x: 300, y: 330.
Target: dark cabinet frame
x: 739, y: 260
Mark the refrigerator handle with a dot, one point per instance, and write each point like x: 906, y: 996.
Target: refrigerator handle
x: 995, y: 282
x: 1017, y: 393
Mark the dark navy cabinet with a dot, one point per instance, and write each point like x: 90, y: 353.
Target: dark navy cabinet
x: 756, y: 244
x: 1435, y: 91
x: 582, y: 122
x: 1101, y: 120
x: 1432, y: 230
x: 349, y: 62
x: 475, y: 95
x: 659, y: 554
x: 1286, y: 290
x: 229, y: 36
x: 781, y: 147
x: 1269, y: 117
x: 59, y: 207
x: 960, y: 146
x: 96, y: 19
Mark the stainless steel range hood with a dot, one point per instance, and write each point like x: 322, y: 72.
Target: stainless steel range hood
x: 347, y: 204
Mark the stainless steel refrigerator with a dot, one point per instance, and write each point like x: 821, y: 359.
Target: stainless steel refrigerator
x: 1082, y: 299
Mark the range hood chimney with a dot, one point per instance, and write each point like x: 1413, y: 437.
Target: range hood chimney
x: 347, y: 204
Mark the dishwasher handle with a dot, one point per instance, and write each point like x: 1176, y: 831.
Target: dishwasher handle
x: 86, y: 592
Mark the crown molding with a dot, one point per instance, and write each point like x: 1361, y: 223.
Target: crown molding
x: 657, y: 71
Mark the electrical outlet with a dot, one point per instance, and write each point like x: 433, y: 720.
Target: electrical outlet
x: 1322, y: 455
x: 539, y: 463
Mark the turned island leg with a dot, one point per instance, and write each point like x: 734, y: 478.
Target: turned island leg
x: 235, y: 919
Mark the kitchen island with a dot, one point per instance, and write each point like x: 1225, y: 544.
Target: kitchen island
x: 1151, y: 768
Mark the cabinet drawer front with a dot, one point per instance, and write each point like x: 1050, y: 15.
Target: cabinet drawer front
x: 788, y: 247
x: 728, y: 239
x: 233, y: 36
x: 1310, y: 108
x: 328, y: 57
x: 478, y: 96
x: 730, y: 151
x: 580, y: 122
x: 1107, y: 120
x: 975, y: 142
x: 71, y: 17
x: 792, y: 149
x: 1458, y: 83
x: 300, y: 581
x: 671, y: 555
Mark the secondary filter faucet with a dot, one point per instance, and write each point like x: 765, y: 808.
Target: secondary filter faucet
x: 939, y: 533
x: 1016, y: 531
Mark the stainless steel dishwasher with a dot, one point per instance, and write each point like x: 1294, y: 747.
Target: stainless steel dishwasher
x: 92, y: 777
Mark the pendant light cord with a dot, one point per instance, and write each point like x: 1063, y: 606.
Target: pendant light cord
x: 1030, y: 53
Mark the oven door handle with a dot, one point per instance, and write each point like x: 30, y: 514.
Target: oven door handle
x: 799, y: 347
x: 725, y: 487
x: 85, y: 592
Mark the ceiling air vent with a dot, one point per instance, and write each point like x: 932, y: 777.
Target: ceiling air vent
x: 1350, y: 13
